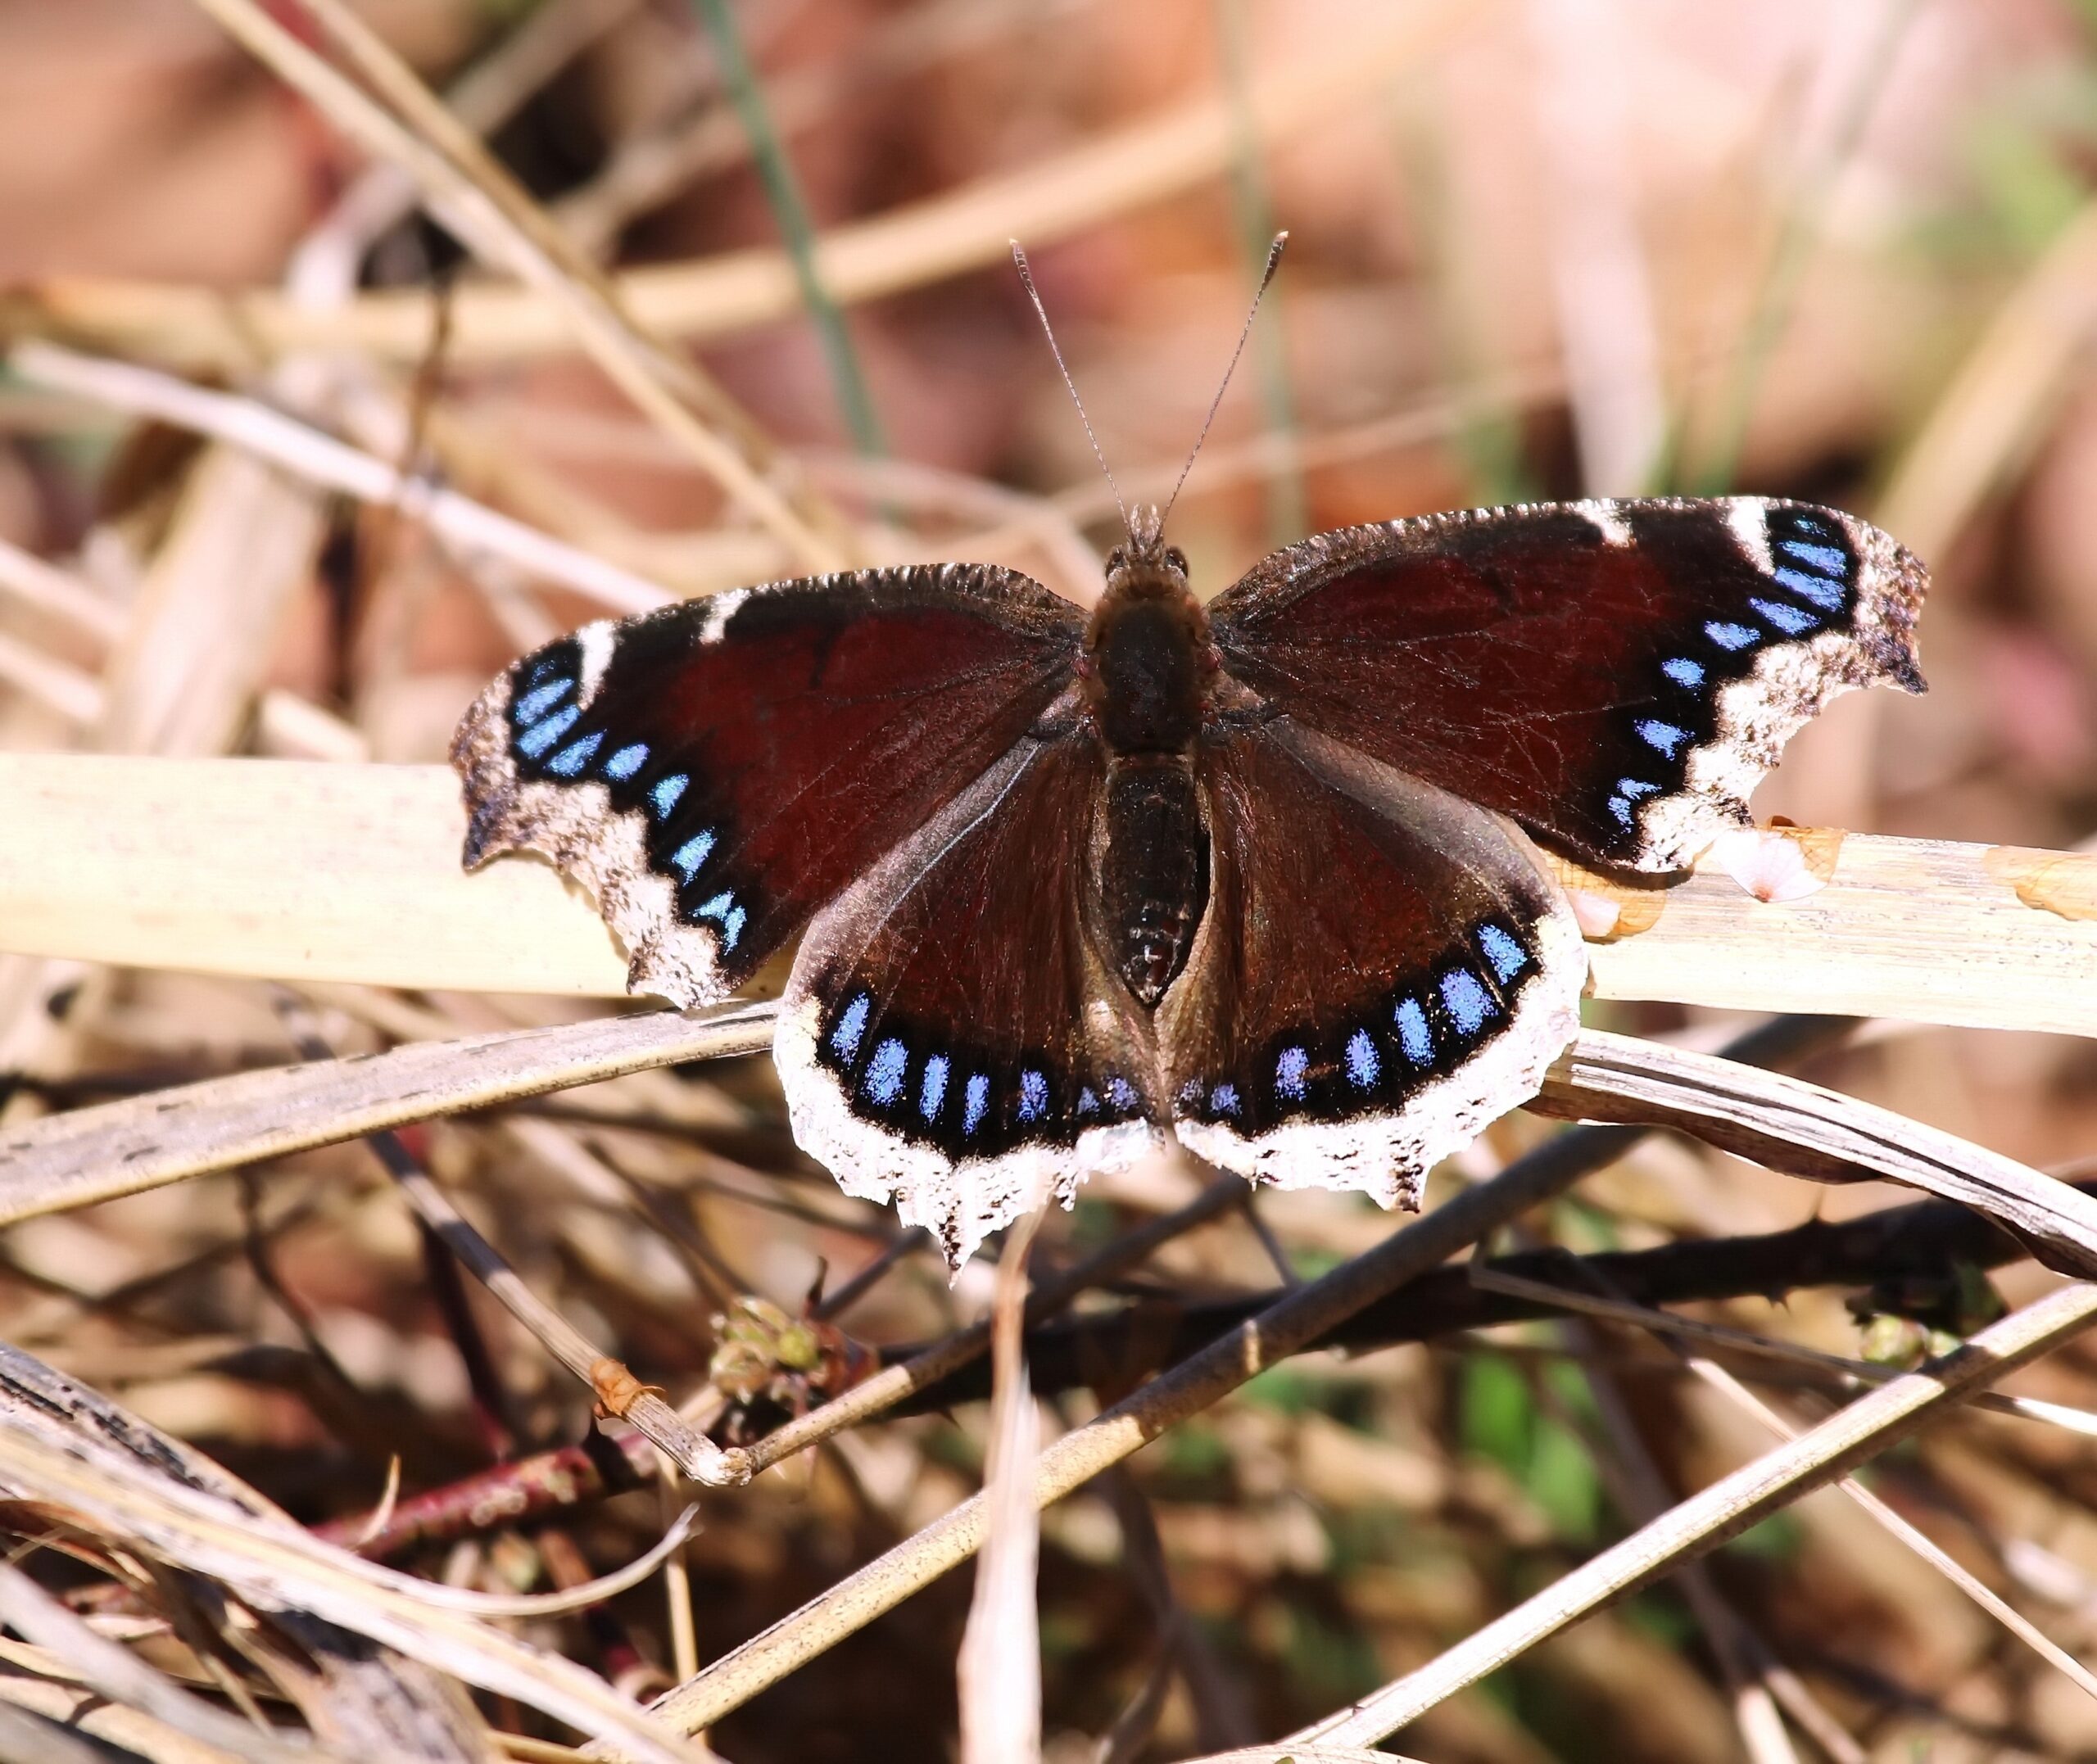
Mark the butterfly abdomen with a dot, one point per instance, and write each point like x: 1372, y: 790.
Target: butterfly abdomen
x: 1154, y: 870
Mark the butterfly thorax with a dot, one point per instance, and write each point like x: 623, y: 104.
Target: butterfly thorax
x: 1146, y: 668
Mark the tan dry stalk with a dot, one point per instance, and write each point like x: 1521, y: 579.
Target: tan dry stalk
x: 325, y: 873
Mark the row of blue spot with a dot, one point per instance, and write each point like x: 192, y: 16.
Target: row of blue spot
x: 885, y: 1079
x: 539, y: 725
x: 1464, y: 998
x: 1815, y: 571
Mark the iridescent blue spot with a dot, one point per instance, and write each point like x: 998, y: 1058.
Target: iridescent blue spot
x: 534, y: 705
x: 1731, y: 636
x: 884, y: 1072
x: 1621, y: 809
x: 1088, y: 1103
x: 845, y: 1038
x: 539, y: 736
x: 546, y: 664
x: 1412, y: 1032
x: 1190, y: 1094
x: 1034, y: 1096
x: 1289, y: 1073
x: 1466, y: 1000
x: 1825, y: 559
x: 724, y: 910
x: 1362, y: 1063
x: 688, y: 857
x: 1785, y: 618
x: 1683, y: 671
x: 1635, y: 787
x: 1507, y: 956
x: 627, y: 761
x: 569, y: 762
x: 1223, y: 1099
x: 1817, y: 588
x: 1665, y: 736
x: 664, y: 793
x: 974, y: 1102
x: 932, y: 1093
x: 1121, y: 1093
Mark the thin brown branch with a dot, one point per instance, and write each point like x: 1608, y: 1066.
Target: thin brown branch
x: 1286, y: 1327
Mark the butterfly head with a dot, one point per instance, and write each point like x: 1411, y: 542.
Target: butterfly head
x: 1144, y: 549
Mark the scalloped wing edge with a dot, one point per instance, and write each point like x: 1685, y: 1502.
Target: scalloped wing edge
x: 959, y: 1200
x: 576, y: 828
x: 1792, y: 683
x: 1387, y: 1154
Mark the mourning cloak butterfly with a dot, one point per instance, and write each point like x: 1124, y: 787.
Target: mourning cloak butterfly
x: 1247, y: 875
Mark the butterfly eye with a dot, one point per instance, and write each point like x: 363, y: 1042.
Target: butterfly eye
x: 1176, y: 557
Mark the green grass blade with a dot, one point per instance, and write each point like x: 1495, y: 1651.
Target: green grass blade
x: 796, y: 232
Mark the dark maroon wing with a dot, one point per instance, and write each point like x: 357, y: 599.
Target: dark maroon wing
x: 948, y: 1035
x: 1383, y: 969
x: 717, y: 771
x: 1617, y: 676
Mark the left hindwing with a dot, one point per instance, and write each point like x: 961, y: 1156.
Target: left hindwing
x: 1383, y: 969
x: 1616, y: 676
x: 949, y: 1034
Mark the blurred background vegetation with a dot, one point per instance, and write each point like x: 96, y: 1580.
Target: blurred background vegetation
x: 1541, y: 248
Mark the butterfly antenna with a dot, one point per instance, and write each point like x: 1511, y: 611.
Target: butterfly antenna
x: 1027, y: 277
x: 1267, y: 276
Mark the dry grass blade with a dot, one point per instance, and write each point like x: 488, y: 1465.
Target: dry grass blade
x: 359, y: 1701
x: 50, y: 590
x: 472, y: 528
x: 275, y: 1564
x: 1000, y: 1664
x: 1881, y: 1514
x: 316, y: 872
x: 1866, y: 1428
x: 121, y: 1676
x: 1109, y: 174
x: 275, y: 880
x: 56, y: 685
x: 1791, y: 1125
x: 1306, y: 1755
x: 634, y: 365
x: 27, y: 1738
x: 1986, y: 936
x: 91, y: 1155
x: 1696, y: 1584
